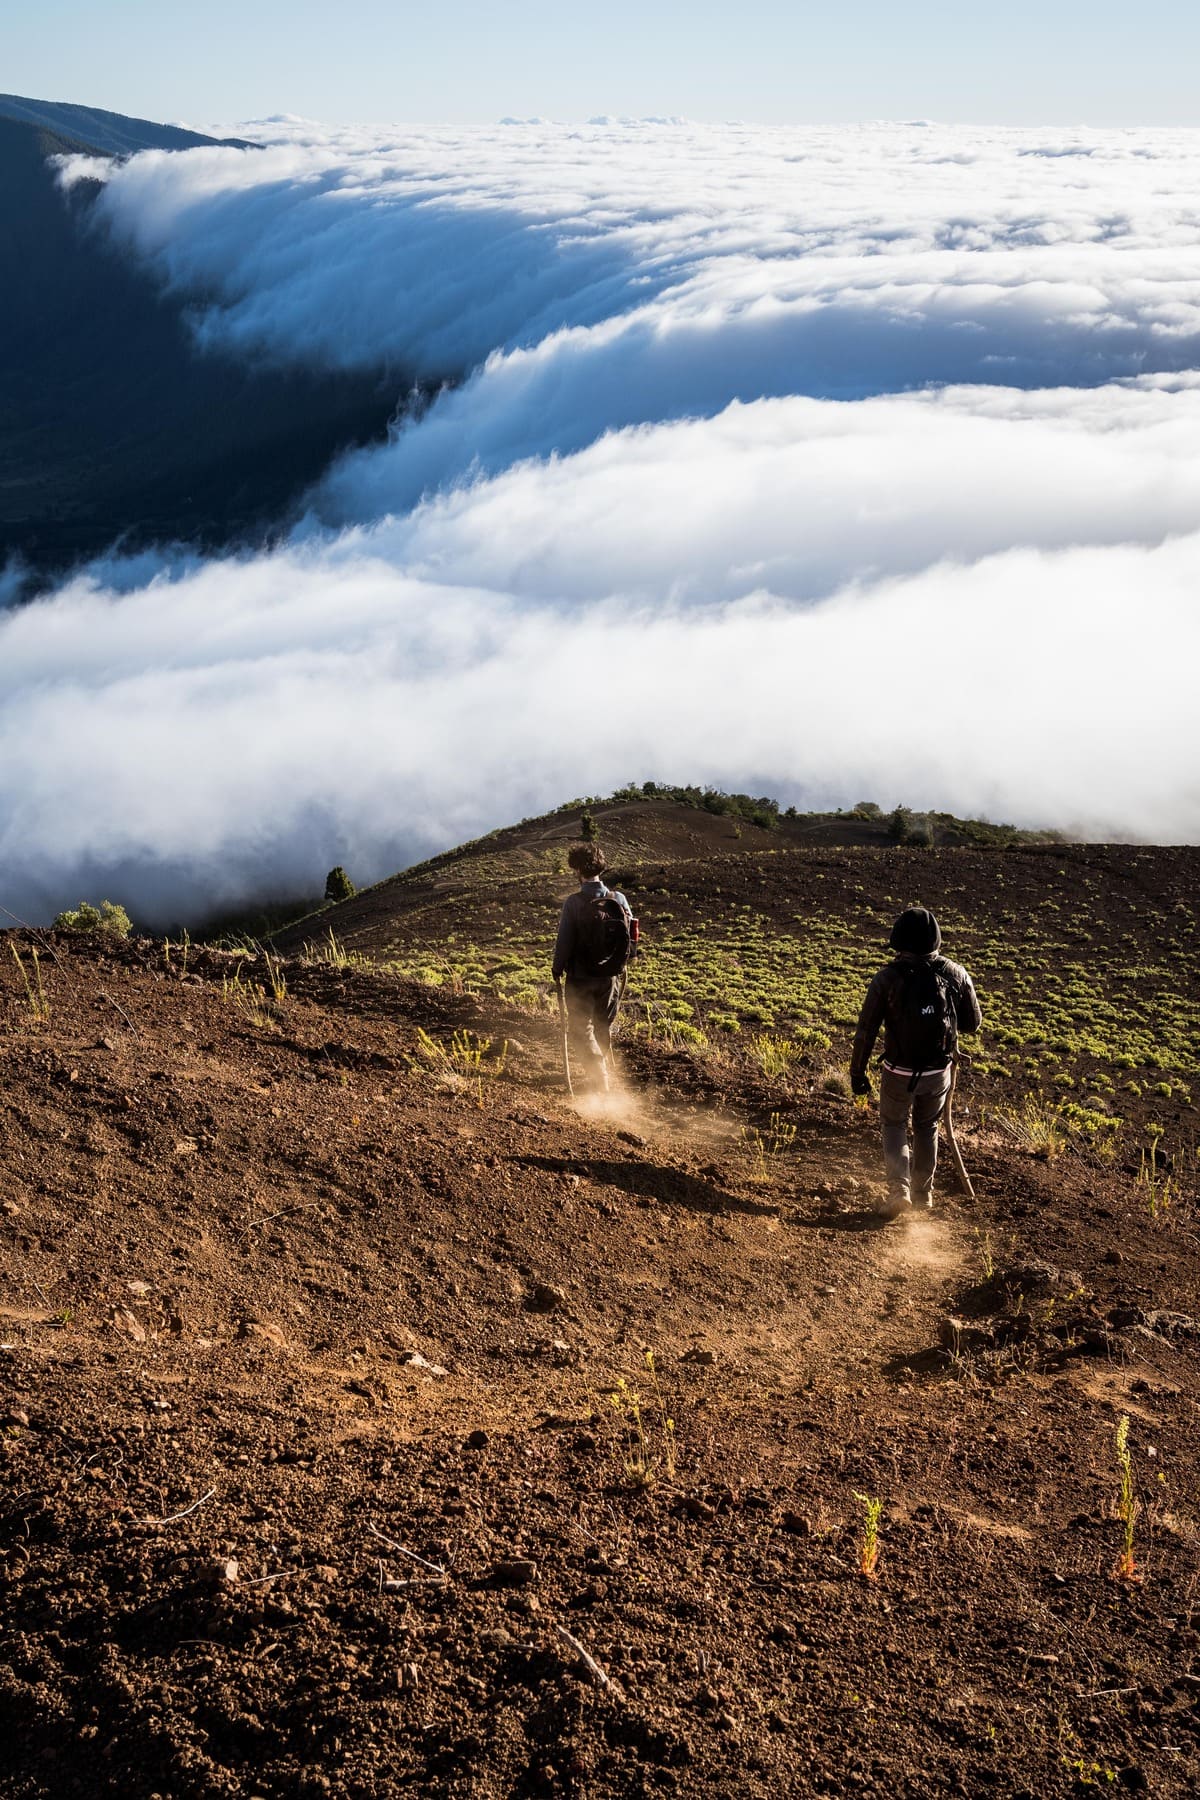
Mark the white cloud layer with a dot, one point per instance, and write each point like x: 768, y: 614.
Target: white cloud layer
x: 697, y: 480
x: 249, y: 725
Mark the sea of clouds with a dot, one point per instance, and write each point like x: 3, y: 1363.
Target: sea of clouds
x: 834, y: 464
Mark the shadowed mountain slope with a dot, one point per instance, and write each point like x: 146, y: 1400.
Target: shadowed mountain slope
x: 112, y: 426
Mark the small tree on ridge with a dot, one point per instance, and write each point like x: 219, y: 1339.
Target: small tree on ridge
x: 338, y: 885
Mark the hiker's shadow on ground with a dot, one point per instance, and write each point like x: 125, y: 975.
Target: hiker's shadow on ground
x: 653, y: 1181
x: 840, y: 1221
x: 930, y: 1361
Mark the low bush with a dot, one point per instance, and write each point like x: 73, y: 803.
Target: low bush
x: 108, y: 916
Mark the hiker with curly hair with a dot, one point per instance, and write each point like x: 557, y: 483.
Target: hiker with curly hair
x: 595, y: 941
x: 922, y: 1000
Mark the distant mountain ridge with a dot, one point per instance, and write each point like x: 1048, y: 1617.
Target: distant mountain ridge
x: 104, y: 133
x: 676, y: 832
x: 114, y: 428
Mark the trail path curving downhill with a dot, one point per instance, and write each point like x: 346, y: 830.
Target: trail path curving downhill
x: 281, y: 1293
x: 839, y: 1287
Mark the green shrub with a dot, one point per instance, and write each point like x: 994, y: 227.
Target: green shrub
x: 108, y: 916
x: 338, y: 885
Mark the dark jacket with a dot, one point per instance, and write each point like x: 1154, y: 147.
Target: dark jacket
x: 875, y: 1009
x: 568, y: 923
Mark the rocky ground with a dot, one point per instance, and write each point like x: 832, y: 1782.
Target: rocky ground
x: 374, y: 1420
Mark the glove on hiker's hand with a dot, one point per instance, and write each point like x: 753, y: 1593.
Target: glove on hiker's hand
x: 860, y: 1084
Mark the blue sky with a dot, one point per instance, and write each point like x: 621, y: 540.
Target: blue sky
x: 463, y: 61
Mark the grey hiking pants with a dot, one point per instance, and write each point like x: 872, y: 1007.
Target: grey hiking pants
x: 592, y: 1003
x: 923, y: 1106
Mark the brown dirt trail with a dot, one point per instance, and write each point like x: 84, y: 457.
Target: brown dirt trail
x: 281, y: 1295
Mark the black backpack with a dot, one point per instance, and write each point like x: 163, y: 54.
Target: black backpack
x: 922, y: 1013
x: 603, y: 940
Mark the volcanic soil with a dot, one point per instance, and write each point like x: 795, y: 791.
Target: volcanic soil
x: 327, y: 1321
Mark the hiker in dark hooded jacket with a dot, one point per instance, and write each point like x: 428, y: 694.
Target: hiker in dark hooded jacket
x: 923, y: 1001
x: 592, y: 949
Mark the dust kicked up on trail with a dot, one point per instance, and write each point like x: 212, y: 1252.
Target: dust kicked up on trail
x: 627, y: 1105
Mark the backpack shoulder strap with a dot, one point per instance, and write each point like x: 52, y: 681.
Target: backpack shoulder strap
x: 894, y: 975
x: 949, y: 973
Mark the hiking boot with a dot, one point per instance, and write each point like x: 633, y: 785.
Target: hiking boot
x: 893, y: 1206
x: 923, y: 1200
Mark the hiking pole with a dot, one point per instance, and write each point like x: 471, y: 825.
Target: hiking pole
x: 964, y: 1180
x: 562, y: 1016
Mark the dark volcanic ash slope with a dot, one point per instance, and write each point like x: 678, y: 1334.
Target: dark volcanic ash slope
x: 311, y: 1481
x: 112, y: 426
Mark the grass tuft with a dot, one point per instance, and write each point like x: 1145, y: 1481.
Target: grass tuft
x: 868, y: 1554
x: 1126, y: 1569
x: 35, y: 992
x: 647, y: 1429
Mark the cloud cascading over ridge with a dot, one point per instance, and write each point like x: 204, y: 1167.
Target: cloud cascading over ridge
x: 747, y: 427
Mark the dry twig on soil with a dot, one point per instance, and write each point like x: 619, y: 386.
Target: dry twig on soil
x: 119, y: 1008
x: 284, y: 1211
x: 171, y: 1518
x: 434, y: 1568
x: 587, y: 1659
